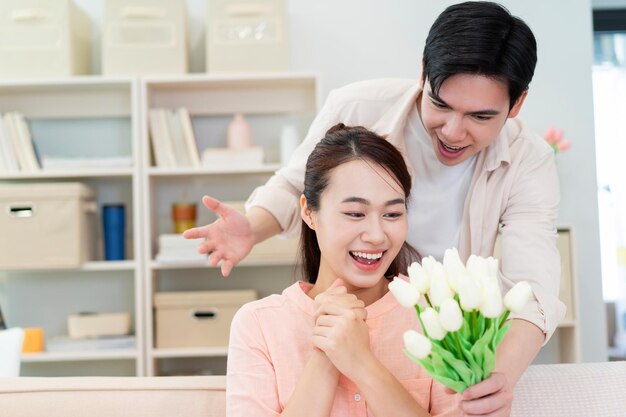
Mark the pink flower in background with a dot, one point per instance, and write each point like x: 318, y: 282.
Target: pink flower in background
x: 554, y: 137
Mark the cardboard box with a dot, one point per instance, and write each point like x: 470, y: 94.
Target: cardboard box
x: 144, y: 37
x: 98, y: 325
x: 197, y: 318
x: 43, y: 38
x: 49, y: 225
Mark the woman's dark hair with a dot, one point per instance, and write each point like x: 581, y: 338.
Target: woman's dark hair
x: 340, y: 145
x: 480, y: 37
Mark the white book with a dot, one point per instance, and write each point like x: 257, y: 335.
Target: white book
x: 178, y: 140
x: 67, y: 344
x: 232, y: 158
x: 190, y: 137
x: 7, y: 153
x: 27, y: 142
x: 14, y: 138
x: 175, y: 240
x: 161, y: 146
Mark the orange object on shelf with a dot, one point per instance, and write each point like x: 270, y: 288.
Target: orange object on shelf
x: 33, y: 340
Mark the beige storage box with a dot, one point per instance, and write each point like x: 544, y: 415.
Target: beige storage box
x: 197, y: 318
x: 47, y: 225
x: 98, y: 325
x: 43, y: 38
x: 144, y: 37
x: 247, y: 36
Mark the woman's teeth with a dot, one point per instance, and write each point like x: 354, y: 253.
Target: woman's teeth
x: 372, y: 256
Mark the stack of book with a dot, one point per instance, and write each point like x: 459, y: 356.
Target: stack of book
x: 17, y: 152
x: 175, y: 248
x: 173, y: 140
x: 68, y: 344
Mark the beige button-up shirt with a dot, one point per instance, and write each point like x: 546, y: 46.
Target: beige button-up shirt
x: 514, y: 190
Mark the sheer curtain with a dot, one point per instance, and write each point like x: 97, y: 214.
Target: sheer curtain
x: 609, y: 87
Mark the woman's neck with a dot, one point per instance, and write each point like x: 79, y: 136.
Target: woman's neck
x: 367, y: 295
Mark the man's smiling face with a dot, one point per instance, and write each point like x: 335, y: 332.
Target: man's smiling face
x: 466, y: 116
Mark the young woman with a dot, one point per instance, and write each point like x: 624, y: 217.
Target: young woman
x: 332, y: 345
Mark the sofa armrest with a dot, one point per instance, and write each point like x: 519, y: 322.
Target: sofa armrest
x: 202, y: 396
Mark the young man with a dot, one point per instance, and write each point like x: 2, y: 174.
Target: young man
x: 477, y: 172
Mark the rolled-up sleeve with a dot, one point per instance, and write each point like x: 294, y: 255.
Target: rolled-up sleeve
x: 529, y: 251
x: 251, y: 381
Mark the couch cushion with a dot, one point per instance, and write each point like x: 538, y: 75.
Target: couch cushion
x: 202, y: 396
x: 572, y: 390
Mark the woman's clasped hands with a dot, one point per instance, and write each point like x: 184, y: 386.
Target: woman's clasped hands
x: 340, y: 329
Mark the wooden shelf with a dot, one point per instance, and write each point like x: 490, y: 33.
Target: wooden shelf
x: 85, y: 355
x: 88, y: 266
x: 187, y: 172
x: 82, y: 173
x: 155, y: 265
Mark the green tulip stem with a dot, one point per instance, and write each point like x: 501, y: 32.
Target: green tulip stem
x: 417, y: 309
x: 459, y: 352
x: 447, y: 346
x: 474, y: 324
x: 504, y: 317
x: 428, y: 300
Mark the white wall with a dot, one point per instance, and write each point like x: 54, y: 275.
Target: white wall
x: 351, y: 40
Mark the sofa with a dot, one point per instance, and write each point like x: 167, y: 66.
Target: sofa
x: 568, y: 390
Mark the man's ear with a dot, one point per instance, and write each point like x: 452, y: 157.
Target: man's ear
x: 305, y: 212
x: 518, y: 105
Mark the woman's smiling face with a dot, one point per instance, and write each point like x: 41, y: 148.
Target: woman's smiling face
x: 361, y: 225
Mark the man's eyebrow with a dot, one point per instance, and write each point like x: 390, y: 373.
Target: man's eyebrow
x: 486, y: 112
x: 363, y: 201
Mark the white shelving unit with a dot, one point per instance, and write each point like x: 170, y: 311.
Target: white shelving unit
x: 81, y: 116
x: 267, y: 102
x: 564, y: 346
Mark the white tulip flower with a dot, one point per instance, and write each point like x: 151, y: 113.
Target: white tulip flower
x: 439, y: 290
x: 417, y: 344
x: 419, y: 278
x: 406, y: 294
x: 453, y: 267
x: 430, y: 318
x: 477, y: 267
x: 517, y: 297
x: 492, y: 268
x: 491, y: 306
x: 432, y: 267
x: 470, y: 293
x: 450, y: 315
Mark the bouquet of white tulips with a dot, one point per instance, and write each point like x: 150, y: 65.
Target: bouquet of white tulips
x: 463, y: 316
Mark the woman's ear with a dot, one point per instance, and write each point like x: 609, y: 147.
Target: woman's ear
x: 305, y: 212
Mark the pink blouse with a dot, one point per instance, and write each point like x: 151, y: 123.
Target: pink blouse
x: 270, y: 344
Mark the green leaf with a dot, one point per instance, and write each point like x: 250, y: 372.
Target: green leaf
x: 466, y: 329
x: 477, y: 370
x: 457, y: 386
x: 426, y: 363
x: 460, y: 367
x: 489, y: 363
x: 499, y: 335
x: 483, y: 354
x: 441, y: 367
x: 480, y: 330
